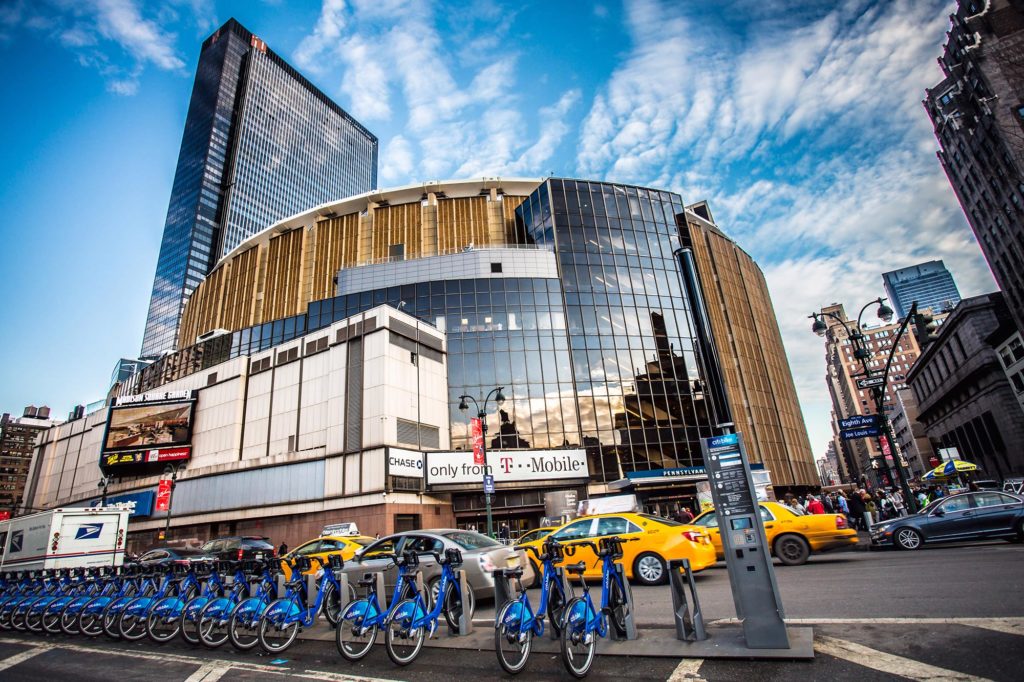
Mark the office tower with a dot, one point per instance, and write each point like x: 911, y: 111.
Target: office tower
x: 261, y: 143
x: 17, y: 446
x: 978, y: 113
x: 930, y: 284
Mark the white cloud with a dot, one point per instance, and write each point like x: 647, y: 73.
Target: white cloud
x: 396, y: 161
x: 122, y: 22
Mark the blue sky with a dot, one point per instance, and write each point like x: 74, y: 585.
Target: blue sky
x: 799, y: 121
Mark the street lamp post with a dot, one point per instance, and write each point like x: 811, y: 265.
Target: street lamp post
x: 173, y: 470
x: 481, y: 413
x: 102, y: 485
x: 861, y: 353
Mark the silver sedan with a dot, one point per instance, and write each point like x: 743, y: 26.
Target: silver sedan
x: 480, y: 556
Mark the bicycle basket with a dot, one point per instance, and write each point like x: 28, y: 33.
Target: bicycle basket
x: 453, y: 556
x: 554, y: 550
x: 612, y: 545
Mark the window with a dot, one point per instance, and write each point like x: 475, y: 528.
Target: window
x: 992, y: 499
x: 380, y: 548
x: 708, y: 521
x: 579, y: 529
x: 1017, y: 379
x: 955, y: 504
x: 615, y: 525
x: 495, y: 267
x: 308, y: 548
x: 331, y: 545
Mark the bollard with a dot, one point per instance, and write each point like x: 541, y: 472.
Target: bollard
x: 464, y: 621
x: 382, y: 595
x: 630, y: 631
x: 280, y: 585
x: 311, y: 590
x: 689, y: 624
x: 502, y: 590
x: 345, y: 597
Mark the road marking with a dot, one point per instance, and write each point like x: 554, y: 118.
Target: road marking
x: 1007, y: 622
x: 888, y: 663
x: 206, y: 667
x: 209, y: 672
x: 688, y: 669
x: 1011, y: 626
x: 14, y: 660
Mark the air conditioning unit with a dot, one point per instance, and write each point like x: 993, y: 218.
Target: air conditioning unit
x: 212, y: 334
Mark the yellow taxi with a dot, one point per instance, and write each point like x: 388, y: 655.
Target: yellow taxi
x: 792, y: 534
x: 323, y: 547
x: 535, y: 534
x: 657, y: 541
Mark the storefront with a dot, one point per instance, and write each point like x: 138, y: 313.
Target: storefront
x: 663, y: 492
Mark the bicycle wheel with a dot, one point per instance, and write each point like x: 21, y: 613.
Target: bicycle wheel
x: 331, y: 604
x: 189, y: 619
x: 275, y: 632
x: 90, y: 618
x: 621, y: 604
x: 163, y: 622
x: 131, y: 623
x: 556, y: 609
x: 34, y: 618
x: 404, y: 644
x: 5, y: 618
x: 453, y: 604
x: 243, y: 628
x: 111, y: 616
x: 51, y: 616
x: 69, y: 622
x: 353, y: 639
x: 577, y: 645
x: 18, y: 618
x: 512, y: 643
x: 213, y: 625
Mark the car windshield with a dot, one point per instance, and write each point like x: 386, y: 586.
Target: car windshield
x: 660, y: 519
x: 467, y: 539
x: 257, y: 543
x: 534, y: 534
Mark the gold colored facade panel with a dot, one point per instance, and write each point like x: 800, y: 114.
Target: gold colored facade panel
x: 393, y: 225
x: 336, y: 246
x: 509, y: 205
x: 461, y: 222
x: 283, y: 276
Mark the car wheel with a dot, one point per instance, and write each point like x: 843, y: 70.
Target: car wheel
x: 907, y: 538
x: 649, y: 569
x: 1019, y: 537
x: 792, y: 550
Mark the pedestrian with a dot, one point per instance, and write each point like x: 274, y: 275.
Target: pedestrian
x: 844, y: 508
x: 503, y: 533
x: 685, y: 515
x: 814, y: 505
x: 870, y: 508
x: 856, y: 503
x: 829, y: 503
x: 282, y: 550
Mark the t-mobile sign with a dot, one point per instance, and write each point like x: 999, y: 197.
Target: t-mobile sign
x: 445, y: 468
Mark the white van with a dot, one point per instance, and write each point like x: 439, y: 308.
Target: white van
x: 64, y: 538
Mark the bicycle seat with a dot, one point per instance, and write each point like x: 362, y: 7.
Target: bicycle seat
x: 516, y: 572
x: 576, y: 569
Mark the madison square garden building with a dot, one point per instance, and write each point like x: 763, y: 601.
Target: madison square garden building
x: 622, y: 325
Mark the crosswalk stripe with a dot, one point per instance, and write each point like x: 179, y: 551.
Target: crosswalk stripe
x: 14, y: 660
x: 209, y: 672
x: 688, y: 669
x: 888, y: 663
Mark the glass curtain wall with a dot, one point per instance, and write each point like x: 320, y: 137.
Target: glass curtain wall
x: 637, y: 382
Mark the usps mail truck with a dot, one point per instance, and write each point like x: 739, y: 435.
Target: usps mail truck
x: 64, y: 538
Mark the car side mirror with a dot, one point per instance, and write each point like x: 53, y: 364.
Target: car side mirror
x: 939, y: 512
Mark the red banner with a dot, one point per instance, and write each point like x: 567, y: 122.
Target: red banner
x: 885, y: 446
x: 163, y: 495
x: 477, y: 433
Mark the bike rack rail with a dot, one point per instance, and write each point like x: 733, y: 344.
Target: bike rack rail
x: 689, y: 624
x: 465, y: 620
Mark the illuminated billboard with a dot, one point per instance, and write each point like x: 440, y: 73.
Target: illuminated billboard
x: 146, y: 431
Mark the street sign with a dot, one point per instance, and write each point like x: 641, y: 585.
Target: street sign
x: 867, y: 432
x: 859, y: 421
x: 870, y: 381
x: 488, y: 484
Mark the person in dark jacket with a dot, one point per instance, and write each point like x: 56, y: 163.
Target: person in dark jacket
x: 857, y: 510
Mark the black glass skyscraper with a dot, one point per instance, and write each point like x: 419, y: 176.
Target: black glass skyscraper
x: 260, y: 143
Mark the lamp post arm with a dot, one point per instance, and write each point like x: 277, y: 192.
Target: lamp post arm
x: 877, y: 301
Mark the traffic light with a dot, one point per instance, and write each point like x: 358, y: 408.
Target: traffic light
x: 925, y: 329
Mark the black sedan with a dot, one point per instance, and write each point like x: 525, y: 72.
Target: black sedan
x: 967, y: 516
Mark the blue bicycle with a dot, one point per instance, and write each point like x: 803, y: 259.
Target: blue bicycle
x: 211, y: 616
x: 410, y: 622
x: 583, y: 623
x: 361, y: 619
x: 244, y: 619
x: 283, y: 618
x: 131, y: 624
x: 164, y: 621
x: 517, y: 623
x: 143, y: 584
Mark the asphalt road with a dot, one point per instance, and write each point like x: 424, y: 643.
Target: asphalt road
x: 950, y: 613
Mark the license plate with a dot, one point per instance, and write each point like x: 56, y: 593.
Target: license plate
x: 259, y: 556
x: 512, y: 561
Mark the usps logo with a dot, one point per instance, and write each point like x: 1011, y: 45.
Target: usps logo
x: 89, y: 532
